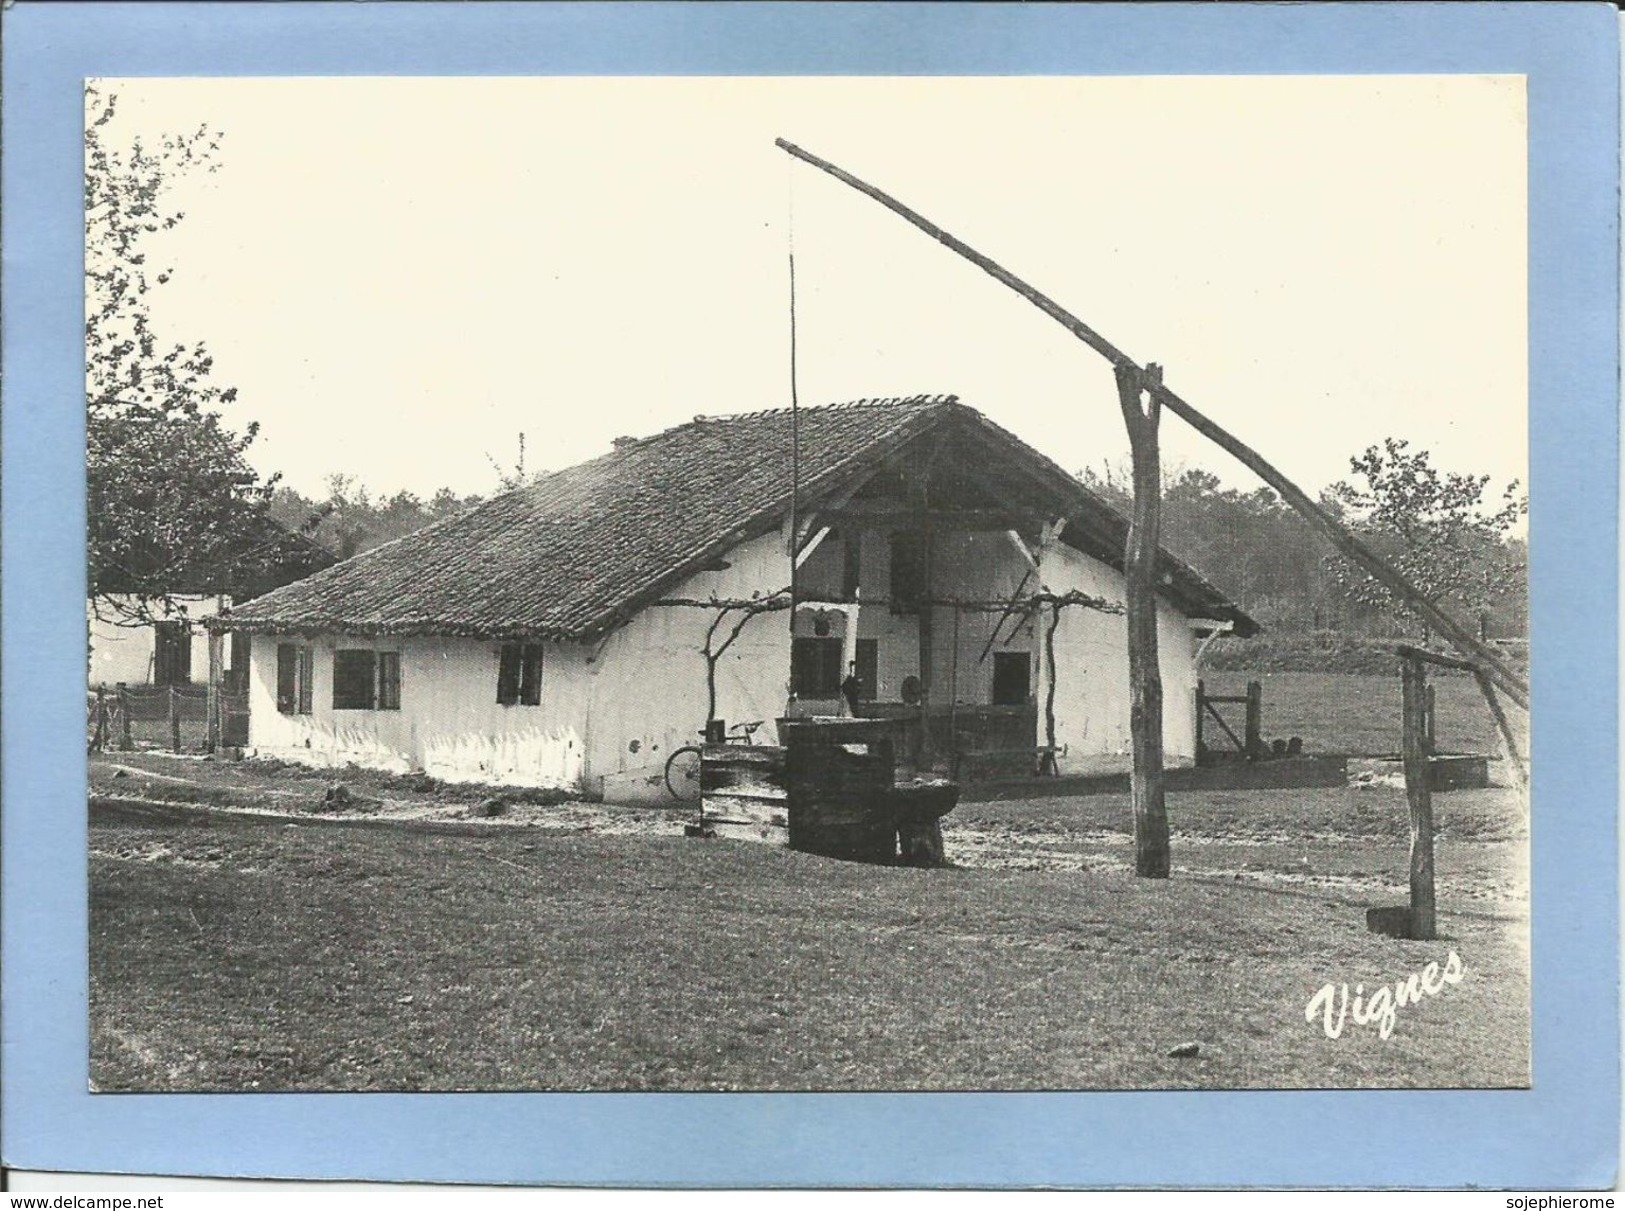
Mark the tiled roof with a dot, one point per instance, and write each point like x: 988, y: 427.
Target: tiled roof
x: 569, y: 555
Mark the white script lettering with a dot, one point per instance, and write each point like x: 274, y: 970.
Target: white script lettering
x: 1331, y: 1002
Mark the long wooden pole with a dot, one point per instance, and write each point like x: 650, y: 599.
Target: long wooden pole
x: 1151, y: 858
x: 1514, y: 758
x: 1324, y: 523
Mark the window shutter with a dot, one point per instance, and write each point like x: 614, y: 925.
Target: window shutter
x: 307, y: 677
x: 530, y: 675
x: 508, y: 675
x: 389, y: 681
x: 287, y: 678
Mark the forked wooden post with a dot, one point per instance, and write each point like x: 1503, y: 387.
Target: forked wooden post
x: 1255, y: 720
x: 174, y: 720
x: 1151, y: 858
x: 1414, y: 686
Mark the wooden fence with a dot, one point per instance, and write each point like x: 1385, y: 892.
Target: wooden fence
x: 173, y: 717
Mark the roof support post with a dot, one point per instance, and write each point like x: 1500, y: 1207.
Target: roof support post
x: 1151, y: 859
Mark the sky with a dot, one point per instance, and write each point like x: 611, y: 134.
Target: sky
x: 402, y: 275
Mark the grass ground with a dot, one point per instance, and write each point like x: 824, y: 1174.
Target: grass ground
x: 1358, y: 714
x: 562, y: 946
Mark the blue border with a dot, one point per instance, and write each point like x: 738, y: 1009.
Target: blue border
x: 1563, y: 1133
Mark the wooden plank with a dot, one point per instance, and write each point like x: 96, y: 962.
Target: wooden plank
x: 1420, y: 796
x: 1406, y: 652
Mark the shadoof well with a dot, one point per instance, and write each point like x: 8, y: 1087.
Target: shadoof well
x: 1142, y: 395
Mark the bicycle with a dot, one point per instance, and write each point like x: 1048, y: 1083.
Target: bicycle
x: 683, y: 766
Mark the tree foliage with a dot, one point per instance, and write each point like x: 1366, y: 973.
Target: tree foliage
x: 173, y: 504
x: 1443, y: 530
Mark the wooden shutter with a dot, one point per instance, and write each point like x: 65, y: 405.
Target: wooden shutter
x: 508, y: 672
x: 287, y: 678
x: 530, y: 675
x: 307, y: 677
x: 389, y: 681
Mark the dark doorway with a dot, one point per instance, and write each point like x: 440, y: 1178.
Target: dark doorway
x: 1011, y: 678
x: 868, y: 654
x: 815, y: 668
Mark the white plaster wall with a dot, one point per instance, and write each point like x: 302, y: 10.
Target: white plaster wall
x: 449, y: 725
x: 125, y: 653
x: 982, y: 566
x: 621, y: 707
x: 1091, y: 655
x: 648, y: 685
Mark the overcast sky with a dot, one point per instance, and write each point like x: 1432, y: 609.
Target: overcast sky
x: 401, y: 275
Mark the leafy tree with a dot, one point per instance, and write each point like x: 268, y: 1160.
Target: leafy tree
x: 173, y: 504
x: 1444, y: 530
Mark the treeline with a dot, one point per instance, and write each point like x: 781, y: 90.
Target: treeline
x: 1449, y: 533
x: 349, y: 520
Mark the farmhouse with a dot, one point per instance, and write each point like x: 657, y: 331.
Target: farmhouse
x: 141, y: 639
x: 575, y: 631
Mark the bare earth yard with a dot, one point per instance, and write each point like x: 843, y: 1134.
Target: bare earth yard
x: 573, y: 946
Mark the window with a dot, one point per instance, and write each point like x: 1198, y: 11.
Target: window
x: 1011, y: 672
x: 908, y: 585
x: 519, y: 674
x: 171, y: 653
x: 364, y: 680
x: 815, y: 668
x: 355, y: 674
x: 293, y: 677
x: 868, y: 655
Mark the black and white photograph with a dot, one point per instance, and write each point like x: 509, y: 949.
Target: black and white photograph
x: 807, y: 583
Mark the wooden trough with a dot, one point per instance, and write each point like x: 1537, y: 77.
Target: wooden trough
x: 830, y: 789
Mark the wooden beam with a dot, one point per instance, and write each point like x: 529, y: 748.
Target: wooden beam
x: 811, y: 545
x: 1406, y: 652
x: 1342, y: 539
x: 876, y: 514
x: 1514, y: 757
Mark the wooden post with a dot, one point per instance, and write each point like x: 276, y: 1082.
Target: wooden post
x: 1201, y: 693
x: 1414, y: 687
x: 1254, y: 734
x: 927, y: 607
x: 1508, y: 740
x: 217, y: 673
x: 125, y: 742
x: 1341, y: 538
x: 174, y: 720
x: 1151, y: 858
